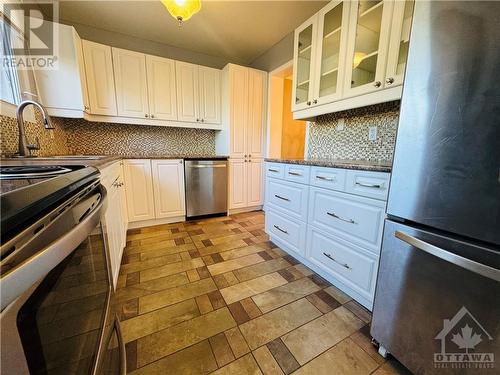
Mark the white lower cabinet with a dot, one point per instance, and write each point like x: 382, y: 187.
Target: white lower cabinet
x: 331, y: 219
x: 155, y: 190
x: 245, y: 183
x: 168, y: 187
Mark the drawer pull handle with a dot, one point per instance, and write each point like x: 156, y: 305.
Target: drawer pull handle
x: 375, y: 186
x: 280, y: 197
x: 345, y: 265
x: 324, y: 178
x: 281, y: 230
x: 332, y: 214
x: 295, y: 174
x: 273, y: 170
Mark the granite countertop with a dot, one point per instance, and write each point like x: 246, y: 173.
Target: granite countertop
x: 364, y: 165
x: 97, y: 161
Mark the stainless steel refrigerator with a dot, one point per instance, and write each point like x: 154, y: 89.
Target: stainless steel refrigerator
x: 437, y: 301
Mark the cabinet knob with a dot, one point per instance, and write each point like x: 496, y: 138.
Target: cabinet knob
x: 146, y: 115
x: 308, y: 103
x: 197, y: 120
x: 152, y: 116
x: 315, y: 101
x: 86, y: 107
x: 202, y: 120
x: 377, y: 84
x: 389, y: 81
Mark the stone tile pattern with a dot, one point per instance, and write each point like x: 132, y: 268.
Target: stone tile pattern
x: 52, y: 142
x: 86, y: 137
x: 217, y: 296
x: 78, y: 136
x: 325, y: 141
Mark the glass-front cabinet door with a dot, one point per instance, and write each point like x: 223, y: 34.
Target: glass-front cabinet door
x: 367, y: 46
x: 303, y: 64
x: 400, y: 38
x: 331, y: 52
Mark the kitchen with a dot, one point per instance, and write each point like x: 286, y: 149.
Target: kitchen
x: 185, y: 193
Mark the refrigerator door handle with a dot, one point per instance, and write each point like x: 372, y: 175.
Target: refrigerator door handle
x: 458, y: 260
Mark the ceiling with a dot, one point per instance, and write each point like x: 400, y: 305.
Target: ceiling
x: 239, y: 31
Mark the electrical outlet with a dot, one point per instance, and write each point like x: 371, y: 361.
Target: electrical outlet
x: 340, y: 124
x: 372, y: 133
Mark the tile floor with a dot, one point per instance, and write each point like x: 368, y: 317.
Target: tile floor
x: 217, y: 296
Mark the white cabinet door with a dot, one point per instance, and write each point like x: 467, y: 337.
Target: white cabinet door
x: 130, y: 81
x: 209, y: 95
x: 238, y: 94
x: 255, y: 196
x: 237, y: 183
x: 187, y: 91
x: 304, y: 54
x: 255, y: 121
x: 100, y: 80
x: 399, y: 42
x: 168, y: 186
x: 139, y: 189
x: 161, y: 88
x: 368, y: 41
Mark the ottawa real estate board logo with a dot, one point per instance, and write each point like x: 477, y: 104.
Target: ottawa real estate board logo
x: 30, y: 34
x: 463, y: 343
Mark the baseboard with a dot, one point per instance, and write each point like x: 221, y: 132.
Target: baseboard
x: 244, y: 209
x: 153, y: 222
x: 332, y: 279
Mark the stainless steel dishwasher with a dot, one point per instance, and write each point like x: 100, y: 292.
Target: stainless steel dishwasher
x: 206, y: 187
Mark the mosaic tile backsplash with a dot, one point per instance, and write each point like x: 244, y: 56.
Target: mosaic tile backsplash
x: 325, y: 141
x: 85, y: 137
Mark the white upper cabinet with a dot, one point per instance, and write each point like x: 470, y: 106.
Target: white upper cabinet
x: 209, y: 95
x: 238, y: 108
x: 330, y: 52
x: 161, y: 88
x: 168, y: 186
x: 398, y: 45
x: 187, y: 91
x: 255, y: 118
x: 100, y: 80
x: 368, y: 46
x: 131, y: 84
x: 198, y: 93
x: 304, y: 63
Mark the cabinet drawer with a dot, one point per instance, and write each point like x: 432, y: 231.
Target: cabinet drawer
x: 297, y: 173
x: 350, y: 264
x: 291, y: 232
x: 353, y: 218
x: 368, y: 184
x: 275, y: 170
x: 328, y: 178
x: 289, y: 197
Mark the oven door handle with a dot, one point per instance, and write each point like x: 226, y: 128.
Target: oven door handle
x: 121, y: 347
x: 19, y: 279
x: 447, y: 256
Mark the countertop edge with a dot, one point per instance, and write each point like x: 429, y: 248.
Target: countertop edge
x: 333, y: 164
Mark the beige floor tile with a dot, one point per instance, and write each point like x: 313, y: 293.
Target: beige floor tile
x: 338, y: 294
x: 315, y: 337
x: 169, y: 297
x: 154, y: 253
x: 182, y: 335
x: 359, y: 311
x: 204, y: 304
x: 146, y: 324
x: 244, y: 366
x: 266, y: 361
x: 251, y: 272
x: 160, y: 245
x: 222, y: 247
x: 252, y: 287
x: 303, y: 270
x: 284, y: 294
x: 170, y: 269
x: 197, y: 359
x: 345, y: 358
x: 193, y: 275
x: 222, y: 350
x: 242, y: 251
x: 276, y: 323
x: 230, y: 278
x: 392, y: 367
x: 237, y: 342
x: 363, y: 339
x: 234, y: 264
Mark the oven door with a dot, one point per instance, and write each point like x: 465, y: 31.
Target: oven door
x: 64, y: 322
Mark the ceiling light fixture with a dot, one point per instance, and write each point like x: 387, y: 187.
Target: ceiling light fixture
x: 182, y: 10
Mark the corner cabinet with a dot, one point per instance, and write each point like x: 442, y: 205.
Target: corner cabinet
x: 350, y: 54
